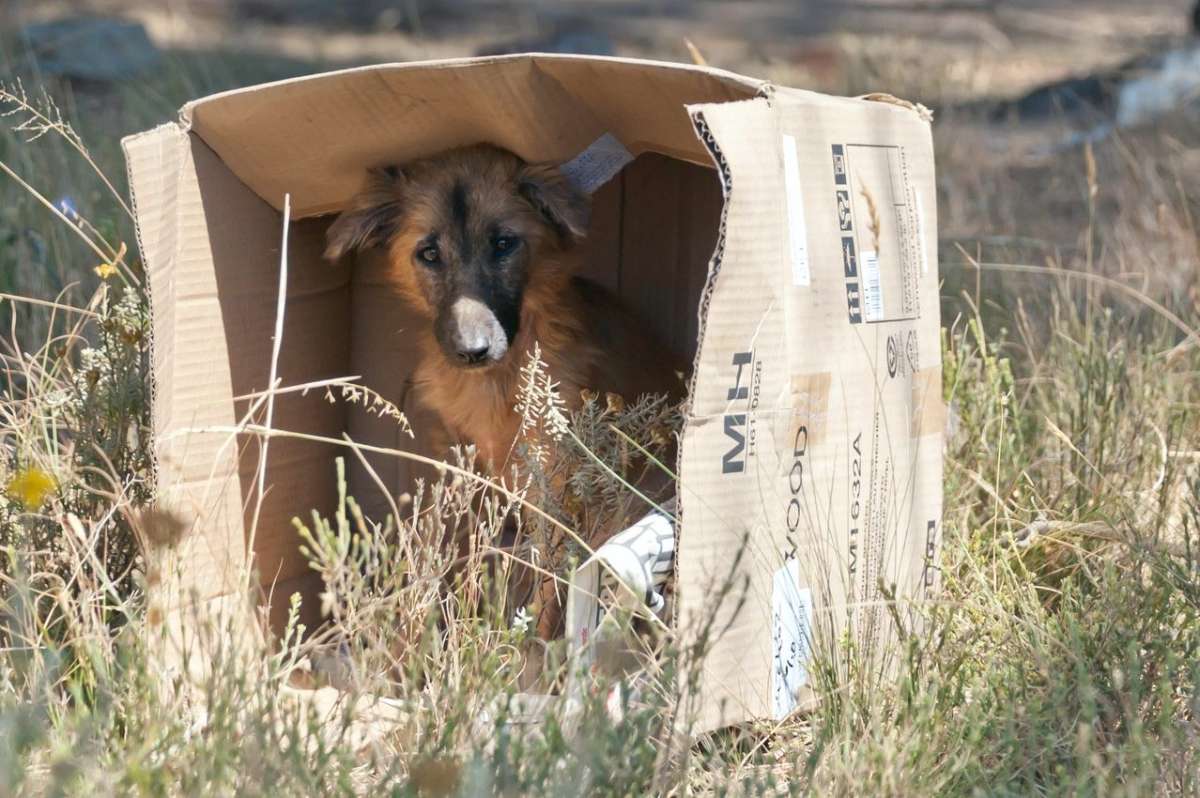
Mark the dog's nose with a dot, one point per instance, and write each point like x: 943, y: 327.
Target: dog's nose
x: 473, y: 355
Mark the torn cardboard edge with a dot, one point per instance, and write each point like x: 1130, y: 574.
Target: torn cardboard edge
x: 924, y: 113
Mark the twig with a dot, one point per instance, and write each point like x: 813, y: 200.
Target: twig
x: 644, y: 451
x: 48, y: 304
x: 1090, y: 529
x: 371, y: 472
x: 273, y: 381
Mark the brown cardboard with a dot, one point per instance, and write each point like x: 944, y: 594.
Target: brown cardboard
x: 814, y: 457
x: 830, y: 475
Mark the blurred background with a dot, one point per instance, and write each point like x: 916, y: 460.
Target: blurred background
x: 1019, y: 89
x: 937, y: 51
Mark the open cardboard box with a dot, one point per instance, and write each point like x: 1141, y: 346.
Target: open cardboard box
x: 783, y: 239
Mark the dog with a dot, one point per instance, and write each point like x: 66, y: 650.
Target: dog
x: 487, y: 249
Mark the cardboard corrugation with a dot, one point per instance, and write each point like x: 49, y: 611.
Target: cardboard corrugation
x: 745, y: 311
x: 702, y: 236
x: 160, y: 169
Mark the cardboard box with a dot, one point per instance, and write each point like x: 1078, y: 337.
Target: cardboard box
x: 784, y: 239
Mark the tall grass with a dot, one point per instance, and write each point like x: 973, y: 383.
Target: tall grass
x: 1059, y: 658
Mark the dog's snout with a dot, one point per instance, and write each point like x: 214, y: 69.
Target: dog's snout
x: 472, y: 335
x: 472, y: 356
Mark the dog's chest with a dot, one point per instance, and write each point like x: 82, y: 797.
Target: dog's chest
x: 475, y: 408
x: 480, y: 407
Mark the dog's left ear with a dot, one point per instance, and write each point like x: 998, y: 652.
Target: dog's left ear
x: 550, y: 193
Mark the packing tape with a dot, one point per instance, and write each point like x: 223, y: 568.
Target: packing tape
x: 928, y: 410
x: 810, y: 404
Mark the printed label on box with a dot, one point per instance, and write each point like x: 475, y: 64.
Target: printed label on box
x: 880, y: 222
x: 791, y: 638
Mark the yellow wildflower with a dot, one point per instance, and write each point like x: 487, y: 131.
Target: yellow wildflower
x: 31, y: 487
x: 109, y: 268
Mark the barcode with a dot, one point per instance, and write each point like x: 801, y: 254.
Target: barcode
x: 872, y: 289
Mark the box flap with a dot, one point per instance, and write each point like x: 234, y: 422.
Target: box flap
x: 211, y: 253
x: 195, y: 474
x: 315, y: 136
x: 809, y: 457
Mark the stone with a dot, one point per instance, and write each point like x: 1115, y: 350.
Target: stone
x: 90, y: 48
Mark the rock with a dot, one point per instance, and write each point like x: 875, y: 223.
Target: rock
x: 1138, y: 94
x: 88, y: 48
x: 1089, y: 96
x: 1174, y: 83
x: 1133, y: 92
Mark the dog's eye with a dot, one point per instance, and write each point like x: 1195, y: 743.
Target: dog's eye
x: 506, y: 244
x: 429, y: 254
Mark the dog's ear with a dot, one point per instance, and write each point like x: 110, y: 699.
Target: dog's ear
x: 553, y: 196
x: 370, y: 219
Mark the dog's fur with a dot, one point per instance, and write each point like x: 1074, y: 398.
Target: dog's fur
x: 486, y: 247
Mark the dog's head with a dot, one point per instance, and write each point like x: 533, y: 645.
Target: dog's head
x: 466, y: 232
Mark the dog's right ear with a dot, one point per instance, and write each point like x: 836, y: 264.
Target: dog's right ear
x: 550, y: 193
x: 370, y: 219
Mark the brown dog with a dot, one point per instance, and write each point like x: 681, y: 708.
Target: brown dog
x: 486, y: 247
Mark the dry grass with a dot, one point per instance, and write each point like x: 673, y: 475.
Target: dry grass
x: 1061, y: 657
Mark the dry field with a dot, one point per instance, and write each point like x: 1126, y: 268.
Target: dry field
x: 1062, y: 657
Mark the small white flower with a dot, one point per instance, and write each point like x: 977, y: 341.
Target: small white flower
x: 542, y: 410
x: 56, y: 399
x: 521, y: 621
